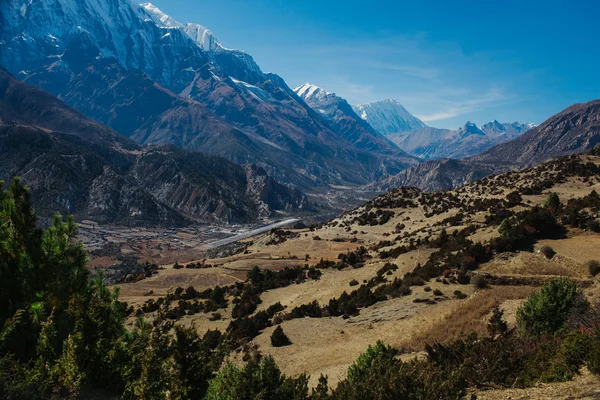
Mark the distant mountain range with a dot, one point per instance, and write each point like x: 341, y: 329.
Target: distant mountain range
x: 77, y: 166
x: 574, y: 130
x: 430, y: 143
x: 368, y: 124
x: 150, y: 78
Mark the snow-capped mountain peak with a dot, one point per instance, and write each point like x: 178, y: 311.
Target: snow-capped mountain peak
x: 159, y: 17
x: 199, y: 34
x: 310, y: 91
x: 470, y: 129
x: 388, y: 116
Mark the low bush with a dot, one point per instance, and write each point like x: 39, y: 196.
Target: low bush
x: 279, y: 338
x: 479, y: 282
x: 548, y: 252
x: 594, y: 267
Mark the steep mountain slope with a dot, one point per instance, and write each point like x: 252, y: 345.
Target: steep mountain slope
x: 65, y: 45
x: 431, y: 143
x: 78, y: 166
x: 574, y: 130
x: 388, y: 116
x: 344, y: 121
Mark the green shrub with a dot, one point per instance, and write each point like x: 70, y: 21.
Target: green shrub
x: 575, y: 349
x: 496, y: 324
x: 548, y: 311
x: 353, y: 282
x: 593, y: 357
x: 460, y: 295
x: 594, y: 267
x: 553, y: 202
x: 279, y: 338
x: 256, y: 380
x: 479, y: 282
x: 379, y: 353
x: 548, y: 252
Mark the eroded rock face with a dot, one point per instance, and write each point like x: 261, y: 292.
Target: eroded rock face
x: 77, y: 166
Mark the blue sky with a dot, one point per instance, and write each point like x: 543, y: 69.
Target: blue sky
x: 445, y: 61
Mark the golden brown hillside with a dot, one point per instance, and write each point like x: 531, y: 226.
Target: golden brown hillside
x: 408, y: 268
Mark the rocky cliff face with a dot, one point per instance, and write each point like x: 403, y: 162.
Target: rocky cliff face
x: 77, y: 166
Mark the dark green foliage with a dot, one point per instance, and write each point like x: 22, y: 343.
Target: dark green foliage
x: 582, y: 212
x: 256, y: 380
x: 267, y: 279
x: 62, y: 331
x: 558, y: 304
x: 312, y: 310
x: 594, y: 267
x: 314, y: 273
x: 353, y: 258
x: 247, y: 303
x: 553, y: 203
x: 279, y: 338
x: 514, y: 199
x: 496, y: 324
x: 593, y: 358
x: 521, y: 231
x: 397, y: 251
x: 378, y: 374
x: 548, y: 252
x: 479, y: 282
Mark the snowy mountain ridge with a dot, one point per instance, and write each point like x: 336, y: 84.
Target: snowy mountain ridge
x: 310, y: 91
x: 199, y: 34
x: 343, y: 119
x: 388, y: 116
